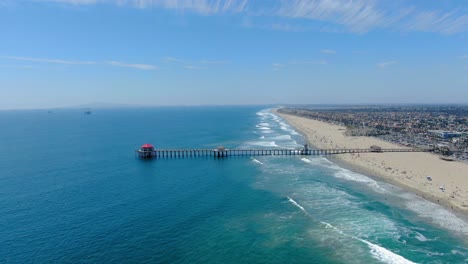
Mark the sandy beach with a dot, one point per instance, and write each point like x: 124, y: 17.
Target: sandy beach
x: 449, y: 184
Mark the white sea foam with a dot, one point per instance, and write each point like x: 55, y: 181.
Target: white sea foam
x: 454, y: 251
x: 327, y: 225
x: 256, y: 161
x: 297, y: 205
x: 262, y: 137
x: 264, y: 128
x: 323, y: 162
x: 291, y: 131
x: 306, y: 160
x: 352, y: 176
x: 422, y: 238
x: 282, y: 137
x: 264, y: 143
x: 346, y: 174
x: 436, y: 213
x: 264, y: 124
x: 378, y: 252
x: 280, y: 121
x: 384, y: 254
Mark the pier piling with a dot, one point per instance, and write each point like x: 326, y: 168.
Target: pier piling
x: 147, y: 151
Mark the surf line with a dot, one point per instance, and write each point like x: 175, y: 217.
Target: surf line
x: 377, y: 251
x: 256, y: 161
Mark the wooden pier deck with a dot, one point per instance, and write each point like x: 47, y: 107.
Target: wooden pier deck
x: 222, y: 152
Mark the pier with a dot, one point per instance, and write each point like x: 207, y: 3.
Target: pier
x: 147, y: 151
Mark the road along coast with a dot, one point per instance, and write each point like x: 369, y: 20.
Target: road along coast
x: 446, y: 185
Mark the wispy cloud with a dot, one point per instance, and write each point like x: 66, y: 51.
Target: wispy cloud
x: 287, y: 27
x: 173, y: 60
x: 56, y: 61
x: 74, y: 62
x: 193, y: 67
x: 464, y: 57
x: 448, y: 22
x: 194, y: 64
x: 145, y: 67
x: 364, y: 15
x: 197, y: 6
x: 383, y: 65
x: 357, y: 16
x: 78, y: 2
x: 328, y: 51
x: 278, y: 66
x: 186, y: 61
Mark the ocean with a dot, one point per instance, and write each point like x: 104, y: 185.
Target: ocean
x: 73, y: 191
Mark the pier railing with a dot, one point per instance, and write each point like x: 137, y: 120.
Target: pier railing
x: 222, y: 152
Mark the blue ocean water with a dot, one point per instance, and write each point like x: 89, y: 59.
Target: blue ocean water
x: 72, y: 190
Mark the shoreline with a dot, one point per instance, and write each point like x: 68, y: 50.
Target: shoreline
x: 410, y: 176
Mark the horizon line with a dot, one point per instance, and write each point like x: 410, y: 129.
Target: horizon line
x: 278, y: 105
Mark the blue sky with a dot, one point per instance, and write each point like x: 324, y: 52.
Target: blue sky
x: 57, y: 53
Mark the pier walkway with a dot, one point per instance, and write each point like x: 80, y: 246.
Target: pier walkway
x: 221, y: 152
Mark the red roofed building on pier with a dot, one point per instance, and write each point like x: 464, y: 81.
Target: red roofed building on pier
x: 146, y: 151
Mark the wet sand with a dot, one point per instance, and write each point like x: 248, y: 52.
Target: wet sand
x: 449, y: 184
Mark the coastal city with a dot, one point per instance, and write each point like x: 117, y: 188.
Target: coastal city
x: 443, y: 128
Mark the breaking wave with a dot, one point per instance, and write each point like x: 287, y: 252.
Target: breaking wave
x: 256, y: 161
x: 378, y: 252
x: 436, y: 213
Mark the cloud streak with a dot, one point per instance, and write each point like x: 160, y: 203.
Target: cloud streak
x: 278, y: 66
x: 145, y: 67
x: 386, y: 64
x: 55, y: 61
x: 356, y: 16
x: 193, y: 67
x: 198, y: 6
x: 361, y: 16
x: 73, y: 62
x: 328, y: 51
x: 173, y: 60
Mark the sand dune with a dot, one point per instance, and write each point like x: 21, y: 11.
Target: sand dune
x: 449, y: 185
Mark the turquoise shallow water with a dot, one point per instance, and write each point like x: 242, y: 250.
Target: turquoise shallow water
x: 71, y: 190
